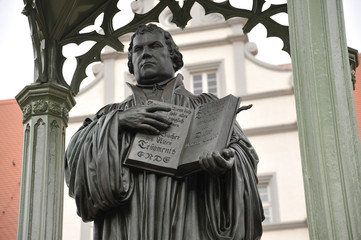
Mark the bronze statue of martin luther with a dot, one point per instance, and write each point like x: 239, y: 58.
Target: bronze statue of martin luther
x: 220, y: 202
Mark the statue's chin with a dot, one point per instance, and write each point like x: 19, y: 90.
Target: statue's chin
x: 151, y: 79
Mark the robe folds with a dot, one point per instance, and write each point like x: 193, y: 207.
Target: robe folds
x: 133, y: 204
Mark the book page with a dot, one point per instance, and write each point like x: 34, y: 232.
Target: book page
x: 211, y: 125
x: 164, y: 149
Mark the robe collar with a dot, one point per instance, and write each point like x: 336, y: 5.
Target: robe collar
x: 168, y: 86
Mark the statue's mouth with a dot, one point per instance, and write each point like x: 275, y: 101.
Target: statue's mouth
x: 147, y: 64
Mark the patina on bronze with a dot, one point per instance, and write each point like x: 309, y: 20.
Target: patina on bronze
x: 221, y: 202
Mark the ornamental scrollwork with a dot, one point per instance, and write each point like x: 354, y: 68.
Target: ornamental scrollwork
x: 66, y: 114
x: 27, y: 111
x: 354, y: 63
x: 54, y: 108
x: 40, y: 106
x: 51, y: 31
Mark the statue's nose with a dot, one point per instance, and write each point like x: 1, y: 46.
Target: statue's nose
x: 146, y: 53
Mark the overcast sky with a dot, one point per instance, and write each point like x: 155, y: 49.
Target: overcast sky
x: 16, y: 62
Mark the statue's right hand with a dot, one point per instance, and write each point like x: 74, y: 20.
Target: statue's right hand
x: 146, y: 119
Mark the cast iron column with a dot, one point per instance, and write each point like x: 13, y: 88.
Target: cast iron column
x: 45, y: 108
x: 329, y: 137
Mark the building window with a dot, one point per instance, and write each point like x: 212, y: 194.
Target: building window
x: 268, y: 193
x: 265, y: 194
x: 205, y: 82
x: 205, y: 77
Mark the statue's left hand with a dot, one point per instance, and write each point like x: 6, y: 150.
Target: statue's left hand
x: 216, y: 162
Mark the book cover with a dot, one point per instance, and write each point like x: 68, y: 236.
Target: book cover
x: 193, y: 132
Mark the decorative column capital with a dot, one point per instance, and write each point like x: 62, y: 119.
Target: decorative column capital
x: 354, y: 62
x: 46, y: 98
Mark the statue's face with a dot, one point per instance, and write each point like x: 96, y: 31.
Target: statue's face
x: 151, y: 59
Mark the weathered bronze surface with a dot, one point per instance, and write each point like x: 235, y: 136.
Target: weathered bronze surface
x: 220, y: 202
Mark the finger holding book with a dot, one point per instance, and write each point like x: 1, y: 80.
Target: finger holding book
x: 146, y: 119
x: 216, y: 163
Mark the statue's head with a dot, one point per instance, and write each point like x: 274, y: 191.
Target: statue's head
x: 153, y: 56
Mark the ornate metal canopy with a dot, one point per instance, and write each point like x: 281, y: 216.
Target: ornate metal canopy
x: 55, y: 23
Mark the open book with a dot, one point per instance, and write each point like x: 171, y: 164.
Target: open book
x: 193, y: 133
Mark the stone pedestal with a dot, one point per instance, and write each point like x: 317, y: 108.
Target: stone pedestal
x: 329, y: 139
x: 45, y: 108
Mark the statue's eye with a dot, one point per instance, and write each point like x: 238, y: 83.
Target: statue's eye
x: 156, y: 45
x: 137, y: 49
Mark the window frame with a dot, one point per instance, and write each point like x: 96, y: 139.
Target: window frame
x: 269, y: 181
x: 216, y: 66
x: 205, y: 82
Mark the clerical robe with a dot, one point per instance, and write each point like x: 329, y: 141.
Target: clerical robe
x: 133, y: 204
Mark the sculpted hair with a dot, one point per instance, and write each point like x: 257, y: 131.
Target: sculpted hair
x: 176, y: 56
